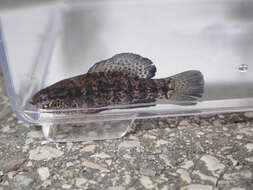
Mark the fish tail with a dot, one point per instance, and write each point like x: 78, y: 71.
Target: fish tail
x: 188, y: 87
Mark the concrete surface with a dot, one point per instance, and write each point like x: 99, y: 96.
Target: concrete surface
x: 193, y: 153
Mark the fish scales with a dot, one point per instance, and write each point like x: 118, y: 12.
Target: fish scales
x: 123, y: 79
x: 104, y: 89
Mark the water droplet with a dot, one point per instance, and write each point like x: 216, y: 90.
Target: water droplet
x: 243, y: 68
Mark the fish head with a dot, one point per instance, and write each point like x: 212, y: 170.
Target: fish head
x: 47, y: 99
x: 41, y: 99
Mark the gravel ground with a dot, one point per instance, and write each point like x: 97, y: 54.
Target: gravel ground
x: 187, y: 153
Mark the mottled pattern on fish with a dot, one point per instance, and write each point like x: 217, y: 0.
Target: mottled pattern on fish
x: 133, y: 64
x: 121, y: 80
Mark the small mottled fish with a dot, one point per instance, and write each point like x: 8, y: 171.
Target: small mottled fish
x: 124, y: 79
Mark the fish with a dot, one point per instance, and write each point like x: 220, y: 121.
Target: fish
x: 124, y: 79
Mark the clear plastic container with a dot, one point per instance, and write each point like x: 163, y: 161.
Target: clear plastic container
x: 43, y: 44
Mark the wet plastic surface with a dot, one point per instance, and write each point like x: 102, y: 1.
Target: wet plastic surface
x: 65, y: 39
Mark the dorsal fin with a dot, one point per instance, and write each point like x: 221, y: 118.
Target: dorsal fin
x: 132, y: 64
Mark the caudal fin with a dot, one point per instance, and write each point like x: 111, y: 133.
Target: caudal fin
x: 188, y: 87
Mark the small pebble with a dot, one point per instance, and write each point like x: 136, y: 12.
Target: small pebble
x: 117, y: 188
x: 184, y: 175
x: 166, y: 160
x: 80, y: 181
x: 213, y: 164
x: 221, y: 116
x: 148, y: 172
x: 250, y: 159
x: 95, y: 166
x: 161, y: 142
x: 66, y: 186
x: 237, y: 176
x: 108, y: 162
x: 239, y: 137
x: 197, y: 187
x: 147, y: 136
x: 248, y: 114
x: 44, y: 153
x: 249, y: 146
x: 205, y: 177
x: 187, y: 164
x: 13, y: 164
x: 127, y: 179
x: 29, y: 164
x: 6, y: 129
x: 46, y: 183
x: 68, y: 164
x: 43, y: 173
x: 234, y: 162
x: 184, y: 123
x: 101, y: 155
x: 23, y: 180
x: 165, y: 187
x: 35, y: 134
x: 11, y: 174
x: 129, y: 144
x: 89, y: 148
x: 146, y: 182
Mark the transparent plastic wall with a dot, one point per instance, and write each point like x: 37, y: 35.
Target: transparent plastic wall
x: 45, y: 43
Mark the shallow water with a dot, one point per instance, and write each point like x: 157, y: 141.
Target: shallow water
x: 213, y: 37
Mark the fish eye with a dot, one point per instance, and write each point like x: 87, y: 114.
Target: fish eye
x: 43, y: 99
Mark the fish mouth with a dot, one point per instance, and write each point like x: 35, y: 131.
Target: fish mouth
x: 32, y: 102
